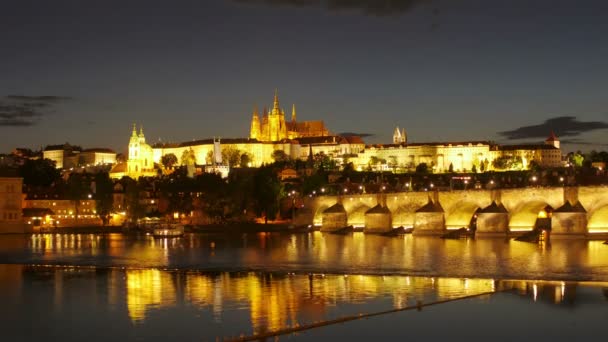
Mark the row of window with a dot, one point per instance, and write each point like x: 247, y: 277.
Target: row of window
x: 10, y: 216
x: 10, y: 188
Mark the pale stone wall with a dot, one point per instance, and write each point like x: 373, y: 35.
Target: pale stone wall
x: 333, y: 221
x: 462, y: 157
x: 56, y: 156
x: 429, y: 223
x: 378, y: 223
x: 492, y: 224
x: 568, y: 224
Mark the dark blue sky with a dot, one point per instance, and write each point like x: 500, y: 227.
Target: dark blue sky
x: 443, y: 69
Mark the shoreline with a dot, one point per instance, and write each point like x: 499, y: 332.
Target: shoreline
x: 211, y: 228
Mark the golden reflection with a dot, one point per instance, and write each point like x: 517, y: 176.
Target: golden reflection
x: 277, y: 301
x: 148, y: 289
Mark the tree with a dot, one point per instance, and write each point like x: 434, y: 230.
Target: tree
x: 279, y: 156
x: 323, y: 162
x: 482, y: 166
x: 39, y: 172
x: 104, y: 199
x: 246, y: 159
x: 209, y: 158
x: 577, y: 159
x: 188, y: 157
x: 231, y: 156
x: 268, y: 190
x: 422, y: 168
x: 77, y: 189
x: 451, y: 168
x: 392, y: 163
x: 134, y: 208
x: 474, y: 169
x: 168, y: 160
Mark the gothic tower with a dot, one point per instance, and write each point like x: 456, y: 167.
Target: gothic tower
x: 276, y: 121
x: 255, y: 132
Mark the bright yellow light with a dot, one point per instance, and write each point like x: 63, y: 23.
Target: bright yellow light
x: 542, y: 214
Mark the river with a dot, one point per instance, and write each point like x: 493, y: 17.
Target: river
x: 200, y: 287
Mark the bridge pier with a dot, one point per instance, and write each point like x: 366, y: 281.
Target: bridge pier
x: 304, y: 217
x: 492, y: 221
x: 378, y: 220
x: 429, y: 219
x: 569, y: 222
x: 334, y: 218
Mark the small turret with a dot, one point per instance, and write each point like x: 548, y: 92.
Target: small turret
x: 552, y: 140
x: 255, y: 130
x: 276, y: 106
x: 293, y: 113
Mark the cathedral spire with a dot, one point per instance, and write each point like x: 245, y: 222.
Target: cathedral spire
x: 141, y: 130
x: 276, y: 99
x: 134, y: 133
x: 293, y: 112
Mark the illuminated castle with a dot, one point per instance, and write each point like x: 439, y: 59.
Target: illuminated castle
x: 273, y: 127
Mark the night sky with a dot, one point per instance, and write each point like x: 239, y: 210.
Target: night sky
x: 509, y: 71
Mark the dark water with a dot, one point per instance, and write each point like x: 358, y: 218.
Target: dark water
x: 210, y: 287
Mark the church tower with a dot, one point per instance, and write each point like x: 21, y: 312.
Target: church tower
x: 255, y: 132
x: 293, y: 113
x: 399, y: 136
x: 552, y: 140
x: 276, y: 121
x: 140, y: 162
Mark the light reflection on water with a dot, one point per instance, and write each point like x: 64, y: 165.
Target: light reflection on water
x: 145, y: 302
x: 318, y: 253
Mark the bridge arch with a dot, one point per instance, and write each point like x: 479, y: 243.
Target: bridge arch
x: 525, y: 215
x: 460, y: 215
x: 598, y: 219
x: 356, y: 215
x: 318, y: 214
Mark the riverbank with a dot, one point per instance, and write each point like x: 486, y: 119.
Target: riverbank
x: 248, y: 227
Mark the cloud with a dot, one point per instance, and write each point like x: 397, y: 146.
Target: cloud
x: 43, y: 99
x: 352, y: 134
x: 23, y: 111
x: 563, y: 126
x: 366, y: 7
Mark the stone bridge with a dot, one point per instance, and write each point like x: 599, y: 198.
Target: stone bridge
x: 570, y: 211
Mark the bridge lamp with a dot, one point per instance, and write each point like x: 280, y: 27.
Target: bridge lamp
x: 561, y: 179
x: 323, y: 190
x: 534, y: 178
x: 345, y: 190
x: 432, y: 185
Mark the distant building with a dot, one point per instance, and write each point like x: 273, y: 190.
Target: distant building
x: 459, y: 156
x: 11, y: 202
x: 64, y: 156
x: 98, y: 156
x: 68, y: 156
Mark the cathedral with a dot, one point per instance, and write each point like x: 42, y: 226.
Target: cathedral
x: 273, y: 126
